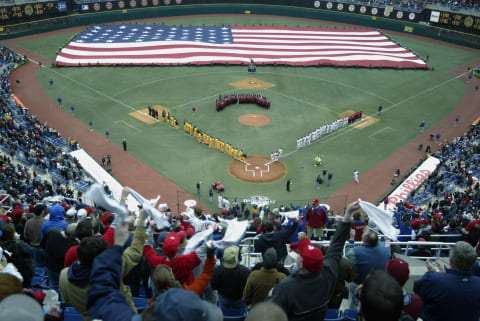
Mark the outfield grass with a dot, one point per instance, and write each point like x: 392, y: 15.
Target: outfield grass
x: 302, y: 99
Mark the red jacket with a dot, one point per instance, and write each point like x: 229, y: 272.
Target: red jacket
x: 358, y: 226
x: 316, y: 217
x: 471, y: 227
x: 72, y: 255
x: 182, y: 266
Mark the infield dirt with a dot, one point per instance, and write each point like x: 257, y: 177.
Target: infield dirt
x: 252, y: 83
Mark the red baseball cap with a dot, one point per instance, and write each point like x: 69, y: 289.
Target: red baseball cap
x: 170, y: 245
x: 399, y: 270
x: 315, y: 201
x: 190, y: 231
x: 312, y: 257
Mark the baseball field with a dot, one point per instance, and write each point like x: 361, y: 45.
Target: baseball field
x: 115, y: 99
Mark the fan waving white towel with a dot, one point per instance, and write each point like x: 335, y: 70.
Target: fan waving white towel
x: 97, y: 195
x: 382, y: 219
x: 149, y: 207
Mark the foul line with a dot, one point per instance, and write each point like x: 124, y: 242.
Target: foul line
x: 328, y: 137
x: 332, y: 82
x: 349, y: 128
x: 92, y: 89
x: 378, y: 132
x: 127, y: 124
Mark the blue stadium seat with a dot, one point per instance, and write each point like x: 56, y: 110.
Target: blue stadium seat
x: 140, y: 303
x: 70, y: 314
x: 350, y: 315
x: 39, y: 282
x: 234, y: 315
x: 40, y: 271
x: 332, y: 315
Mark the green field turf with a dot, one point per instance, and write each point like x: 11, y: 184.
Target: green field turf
x: 303, y: 99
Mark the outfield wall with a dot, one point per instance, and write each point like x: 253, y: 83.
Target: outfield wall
x: 75, y: 20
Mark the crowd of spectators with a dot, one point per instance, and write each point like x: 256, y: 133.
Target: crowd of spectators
x: 78, y: 259
x: 446, y: 206
x: 409, y: 5
x: 455, y: 5
x: 419, y: 5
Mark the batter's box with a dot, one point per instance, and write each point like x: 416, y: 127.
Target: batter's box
x: 257, y: 169
x: 252, y: 83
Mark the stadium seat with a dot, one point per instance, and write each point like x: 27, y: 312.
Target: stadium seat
x: 332, y: 315
x: 350, y: 315
x: 70, y: 314
x: 140, y: 303
x: 234, y: 315
x: 39, y: 282
x: 40, y: 271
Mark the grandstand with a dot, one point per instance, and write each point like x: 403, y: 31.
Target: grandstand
x: 79, y: 245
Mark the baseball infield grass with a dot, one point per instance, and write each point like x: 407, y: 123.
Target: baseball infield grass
x: 302, y: 99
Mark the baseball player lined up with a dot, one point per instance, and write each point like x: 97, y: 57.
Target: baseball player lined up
x: 321, y: 131
x: 275, y: 156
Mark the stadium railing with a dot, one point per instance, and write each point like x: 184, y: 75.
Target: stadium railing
x: 439, y: 249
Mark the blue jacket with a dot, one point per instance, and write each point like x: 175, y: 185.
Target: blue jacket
x: 104, y: 299
x: 403, y: 229
x: 367, y: 258
x: 300, y: 228
x: 57, y: 214
x: 449, y: 296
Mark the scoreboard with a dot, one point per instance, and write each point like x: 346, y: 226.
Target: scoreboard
x: 455, y: 21
x: 32, y: 11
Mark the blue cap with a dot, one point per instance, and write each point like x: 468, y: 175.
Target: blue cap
x: 178, y: 304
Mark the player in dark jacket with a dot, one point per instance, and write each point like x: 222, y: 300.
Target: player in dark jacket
x: 276, y: 239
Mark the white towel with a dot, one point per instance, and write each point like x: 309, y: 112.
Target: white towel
x: 149, y: 206
x: 196, y: 239
x: 233, y: 234
x: 97, y: 195
x: 382, y: 219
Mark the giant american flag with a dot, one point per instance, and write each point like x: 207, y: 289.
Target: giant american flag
x: 172, y: 45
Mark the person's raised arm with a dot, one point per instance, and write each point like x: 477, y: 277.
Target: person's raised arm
x: 201, y: 282
x: 337, y: 243
x: 104, y: 299
x: 133, y: 254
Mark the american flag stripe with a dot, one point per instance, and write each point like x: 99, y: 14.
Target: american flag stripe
x: 133, y: 44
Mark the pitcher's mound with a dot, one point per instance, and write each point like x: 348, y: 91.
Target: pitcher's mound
x: 252, y: 83
x: 254, y: 119
x: 257, y: 170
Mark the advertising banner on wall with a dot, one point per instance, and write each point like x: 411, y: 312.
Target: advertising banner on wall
x: 413, y: 181
x: 363, y: 9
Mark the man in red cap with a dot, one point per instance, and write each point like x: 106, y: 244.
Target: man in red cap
x: 316, y: 218
x: 182, y: 266
x: 425, y: 229
x: 316, y: 275
x: 412, y: 303
x: 437, y: 224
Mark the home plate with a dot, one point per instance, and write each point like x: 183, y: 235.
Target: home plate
x: 257, y: 167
